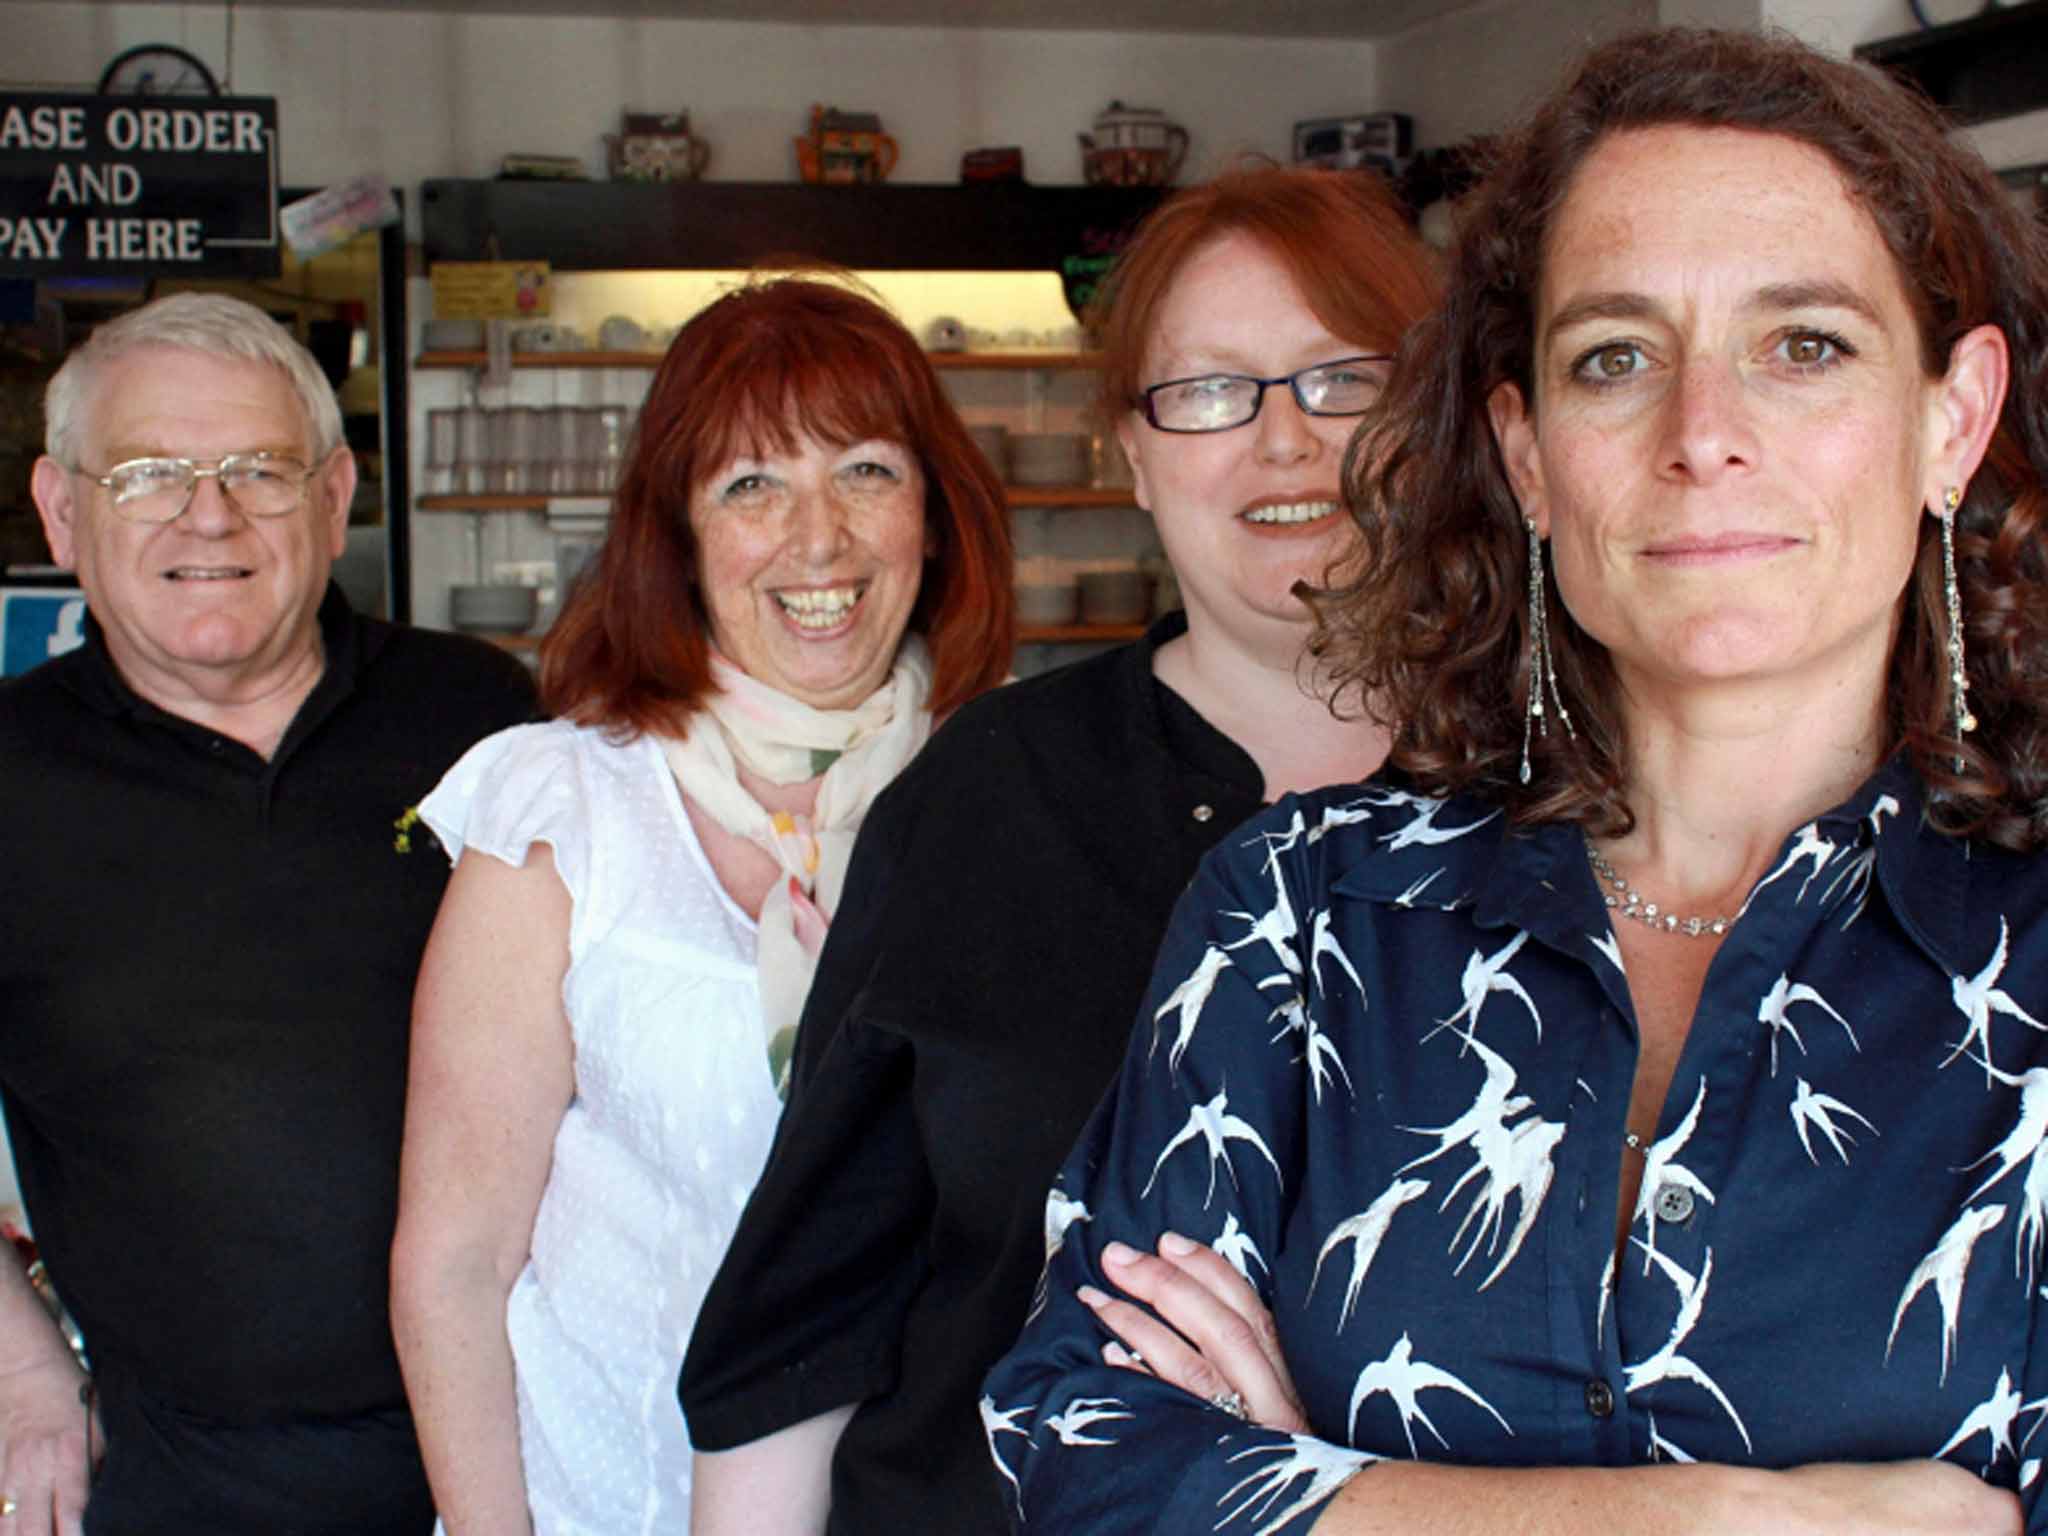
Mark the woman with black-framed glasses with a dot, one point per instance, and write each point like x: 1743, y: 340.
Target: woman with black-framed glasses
x: 1008, y: 893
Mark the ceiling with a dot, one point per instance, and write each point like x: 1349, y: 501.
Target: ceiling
x: 1242, y: 18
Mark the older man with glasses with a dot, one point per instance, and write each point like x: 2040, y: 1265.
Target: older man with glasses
x: 210, y: 918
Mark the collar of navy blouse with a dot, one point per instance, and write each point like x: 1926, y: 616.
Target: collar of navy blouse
x: 1538, y: 879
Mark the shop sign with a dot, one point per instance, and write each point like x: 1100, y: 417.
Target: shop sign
x: 37, y: 624
x: 126, y: 186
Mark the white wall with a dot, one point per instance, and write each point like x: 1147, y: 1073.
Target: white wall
x: 1468, y: 72
x: 419, y: 94
x: 1840, y: 25
x: 1471, y: 71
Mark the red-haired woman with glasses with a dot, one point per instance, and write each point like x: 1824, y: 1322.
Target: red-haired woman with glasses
x: 1010, y: 890
x: 808, y: 562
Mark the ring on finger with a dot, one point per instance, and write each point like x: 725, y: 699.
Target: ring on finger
x: 1230, y: 1402
x: 7, y: 1505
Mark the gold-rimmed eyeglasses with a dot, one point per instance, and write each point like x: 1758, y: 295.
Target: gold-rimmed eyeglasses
x: 158, y: 490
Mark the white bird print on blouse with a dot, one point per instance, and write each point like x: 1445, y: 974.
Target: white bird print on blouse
x: 1403, y: 1378
x: 1610, y: 949
x: 1784, y: 995
x: 1327, y: 1467
x: 1236, y: 1245
x: 1218, y: 1128
x: 1297, y: 830
x: 1061, y: 1212
x: 1421, y: 827
x: 1082, y: 1414
x: 1817, y: 1110
x: 1992, y: 1418
x: 1521, y: 1167
x: 1946, y: 1266
x: 1365, y: 1232
x: 1660, y: 1168
x: 1317, y: 1049
x: 1978, y: 997
x: 1853, y: 880
x: 1606, y: 1296
x: 1807, y: 844
x: 1667, y: 1364
x: 1497, y: 1102
x: 995, y: 1422
x: 1323, y: 942
x: 1282, y: 841
x: 2027, y: 1142
x: 1335, y: 816
x: 1189, y: 998
x: 1485, y: 975
x: 1662, y: 1449
x: 2024, y: 1140
x: 1276, y: 926
x: 1513, y: 1159
x: 1407, y: 898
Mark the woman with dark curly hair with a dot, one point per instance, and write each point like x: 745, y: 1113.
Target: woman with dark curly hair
x: 1637, y: 1096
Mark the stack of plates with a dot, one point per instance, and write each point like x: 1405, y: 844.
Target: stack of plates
x: 1048, y: 458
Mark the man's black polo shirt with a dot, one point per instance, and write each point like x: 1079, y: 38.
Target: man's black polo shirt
x: 206, y: 975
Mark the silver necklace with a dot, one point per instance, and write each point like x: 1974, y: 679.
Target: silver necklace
x: 1630, y: 903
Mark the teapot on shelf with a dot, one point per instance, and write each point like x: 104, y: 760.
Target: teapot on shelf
x: 845, y: 147
x: 655, y: 146
x: 1133, y: 147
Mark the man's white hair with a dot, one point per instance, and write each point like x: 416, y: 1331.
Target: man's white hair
x: 208, y: 323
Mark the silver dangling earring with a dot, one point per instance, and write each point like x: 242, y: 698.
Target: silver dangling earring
x: 1958, y: 677
x: 1542, y: 667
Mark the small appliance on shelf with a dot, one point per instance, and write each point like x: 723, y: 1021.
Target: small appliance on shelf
x: 1380, y: 141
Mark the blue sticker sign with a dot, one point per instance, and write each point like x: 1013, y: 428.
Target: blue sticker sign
x: 37, y: 624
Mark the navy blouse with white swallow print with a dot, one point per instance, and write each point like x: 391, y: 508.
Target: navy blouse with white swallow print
x: 1384, y: 1069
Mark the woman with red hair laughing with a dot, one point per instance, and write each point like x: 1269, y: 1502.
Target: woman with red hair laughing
x: 808, y: 561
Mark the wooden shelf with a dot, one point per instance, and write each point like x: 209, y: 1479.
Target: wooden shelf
x: 648, y: 360
x: 725, y: 225
x: 519, y: 644
x: 1077, y: 634
x: 1013, y: 361
x: 1070, y: 495
x: 1020, y: 496
x: 485, y: 503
